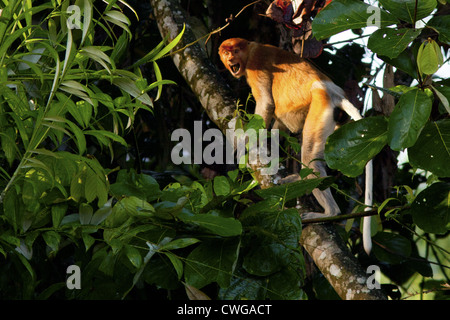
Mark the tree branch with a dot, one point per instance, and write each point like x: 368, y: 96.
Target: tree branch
x: 322, y: 242
x: 194, y: 65
x: 337, y: 264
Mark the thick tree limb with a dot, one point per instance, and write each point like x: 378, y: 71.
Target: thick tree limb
x: 337, y: 264
x: 322, y: 242
x: 194, y: 65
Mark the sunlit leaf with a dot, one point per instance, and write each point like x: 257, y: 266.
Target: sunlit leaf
x: 350, y: 147
x: 431, y: 208
x: 432, y: 149
x: 408, y: 119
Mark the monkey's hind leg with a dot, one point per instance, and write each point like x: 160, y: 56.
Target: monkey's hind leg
x: 319, y: 125
x: 325, y: 199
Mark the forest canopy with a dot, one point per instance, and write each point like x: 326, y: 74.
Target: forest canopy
x: 93, y: 205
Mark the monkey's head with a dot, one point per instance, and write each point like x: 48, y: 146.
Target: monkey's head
x: 233, y: 53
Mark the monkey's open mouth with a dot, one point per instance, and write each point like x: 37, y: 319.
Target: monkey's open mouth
x: 235, y: 68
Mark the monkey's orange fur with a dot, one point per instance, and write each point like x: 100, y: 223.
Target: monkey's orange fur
x: 299, y: 97
x: 285, y: 72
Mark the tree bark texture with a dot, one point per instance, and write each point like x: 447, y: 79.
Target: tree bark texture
x: 337, y: 264
x: 194, y: 65
x: 321, y: 241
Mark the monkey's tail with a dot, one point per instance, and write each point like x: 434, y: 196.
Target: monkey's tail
x: 351, y: 110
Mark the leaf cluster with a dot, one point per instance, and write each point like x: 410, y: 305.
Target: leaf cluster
x: 419, y: 123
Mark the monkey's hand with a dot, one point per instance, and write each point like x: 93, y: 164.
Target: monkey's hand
x: 315, y: 215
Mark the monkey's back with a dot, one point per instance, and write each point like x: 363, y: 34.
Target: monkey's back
x: 291, y: 79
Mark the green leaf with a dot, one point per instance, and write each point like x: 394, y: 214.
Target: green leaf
x: 102, y: 213
x: 170, y: 46
x: 341, y: 15
x: 221, y: 186
x: 95, y: 187
x: 350, y: 147
x: 405, y: 9
x: 243, y: 287
x: 77, y: 186
x: 8, y: 237
x: 129, y: 86
x: 179, y: 243
x: 391, y: 248
x: 13, y: 208
x: 88, y: 240
x: 87, y: 18
x: 98, y: 56
x: 287, y: 283
x: 120, y: 47
x: 47, y: 293
x: 101, y: 134
x: 11, y: 38
x: 225, y: 227
x: 85, y: 112
x: 130, y: 206
x: 443, y: 94
x: 158, y: 79
x: 408, y: 119
x: 442, y: 25
x: 77, y: 89
x: 85, y: 213
x: 275, y: 235
x: 150, y: 56
x: 160, y: 271
x: 432, y: 149
x: 284, y: 284
x: 138, y: 185
x: 290, y: 191
x: 119, y: 19
x: 429, y: 57
x: 52, y: 239
x: 264, y: 260
x: 431, y: 208
x: 391, y: 42
x: 28, y: 266
x: 133, y: 255
x: 212, y: 261
x: 58, y: 212
x: 8, y: 144
x: 68, y: 56
x: 176, y: 262
x: 78, y: 137
x: 107, y: 264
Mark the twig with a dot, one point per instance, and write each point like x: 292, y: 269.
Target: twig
x: 208, y: 35
x: 228, y: 23
x: 341, y: 217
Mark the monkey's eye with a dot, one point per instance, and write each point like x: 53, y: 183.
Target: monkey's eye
x: 236, y: 50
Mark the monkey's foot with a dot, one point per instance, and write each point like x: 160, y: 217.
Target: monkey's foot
x: 316, y: 215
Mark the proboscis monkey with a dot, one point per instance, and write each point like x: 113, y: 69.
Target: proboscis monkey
x: 300, y: 98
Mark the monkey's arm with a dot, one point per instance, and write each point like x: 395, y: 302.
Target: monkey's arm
x: 261, y: 85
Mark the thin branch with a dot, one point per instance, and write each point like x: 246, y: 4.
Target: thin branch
x: 208, y: 35
x: 341, y: 217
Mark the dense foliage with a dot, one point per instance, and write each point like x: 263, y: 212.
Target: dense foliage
x: 77, y: 188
